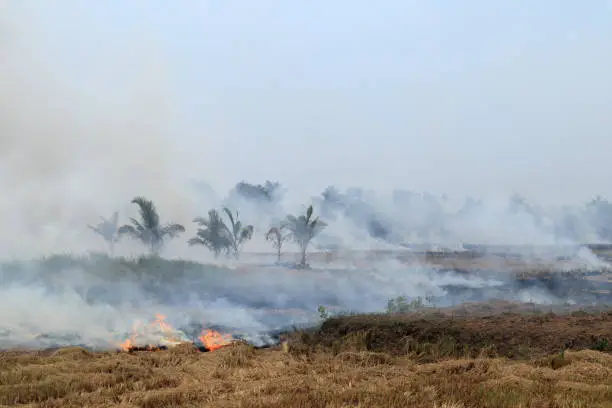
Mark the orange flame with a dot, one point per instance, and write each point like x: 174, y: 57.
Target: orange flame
x: 130, y: 341
x: 157, y: 326
x: 213, y: 340
x: 161, y: 324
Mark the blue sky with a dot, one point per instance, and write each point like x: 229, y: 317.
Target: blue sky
x: 473, y: 97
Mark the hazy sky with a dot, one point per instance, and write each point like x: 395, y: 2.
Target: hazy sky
x: 474, y: 97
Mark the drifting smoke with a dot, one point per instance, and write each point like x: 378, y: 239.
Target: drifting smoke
x: 81, y: 138
x: 95, y: 301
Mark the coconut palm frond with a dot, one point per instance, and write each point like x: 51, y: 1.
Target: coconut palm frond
x: 201, y: 221
x: 196, y: 241
x: 213, y: 232
x: 237, y: 229
x: 215, y: 240
x: 218, y: 235
x: 148, y: 212
x: 172, y: 230
x: 317, y: 225
x: 114, y: 219
x: 309, y: 212
x: 137, y: 225
x: 148, y: 229
x: 203, y: 237
x: 292, y: 222
x: 230, y: 216
x: 246, y: 233
x: 273, y: 234
x: 128, y: 230
x: 214, y: 220
x: 277, y: 236
x: 107, y: 228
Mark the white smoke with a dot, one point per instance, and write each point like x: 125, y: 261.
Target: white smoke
x: 84, y: 131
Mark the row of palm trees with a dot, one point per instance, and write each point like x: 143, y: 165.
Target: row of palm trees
x: 215, y: 233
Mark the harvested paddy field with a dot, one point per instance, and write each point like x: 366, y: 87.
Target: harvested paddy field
x: 429, y: 359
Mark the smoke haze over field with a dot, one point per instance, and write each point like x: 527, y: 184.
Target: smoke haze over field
x: 103, y: 102
x: 406, y: 101
x: 95, y: 302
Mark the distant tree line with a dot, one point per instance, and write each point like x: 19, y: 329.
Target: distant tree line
x: 424, y: 215
x: 218, y: 235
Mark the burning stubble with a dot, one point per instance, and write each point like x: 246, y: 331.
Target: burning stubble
x: 160, y: 334
x: 111, y: 303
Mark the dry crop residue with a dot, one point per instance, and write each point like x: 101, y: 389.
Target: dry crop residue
x: 334, y: 368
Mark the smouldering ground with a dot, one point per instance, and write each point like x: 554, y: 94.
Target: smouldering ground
x: 355, y: 361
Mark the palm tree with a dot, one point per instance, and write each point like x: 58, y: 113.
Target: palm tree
x: 149, y: 229
x: 213, y: 233
x: 108, y: 230
x: 277, y: 236
x: 303, y: 229
x: 238, y: 233
x: 218, y: 236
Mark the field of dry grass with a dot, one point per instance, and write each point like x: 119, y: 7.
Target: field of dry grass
x: 355, y: 361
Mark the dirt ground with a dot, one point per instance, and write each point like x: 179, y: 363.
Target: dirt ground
x: 506, y: 360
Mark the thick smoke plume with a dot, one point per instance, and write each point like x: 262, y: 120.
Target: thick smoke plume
x: 80, y: 137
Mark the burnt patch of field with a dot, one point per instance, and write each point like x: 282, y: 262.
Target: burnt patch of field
x: 519, y: 332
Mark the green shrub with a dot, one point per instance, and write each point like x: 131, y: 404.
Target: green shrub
x: 401, y: 304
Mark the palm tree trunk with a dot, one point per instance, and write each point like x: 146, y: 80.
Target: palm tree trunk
x: 303, y: 261
x: 278, y: 253
x: 111, y: 248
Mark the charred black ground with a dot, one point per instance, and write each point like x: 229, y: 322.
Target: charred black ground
x: 515, y: 331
